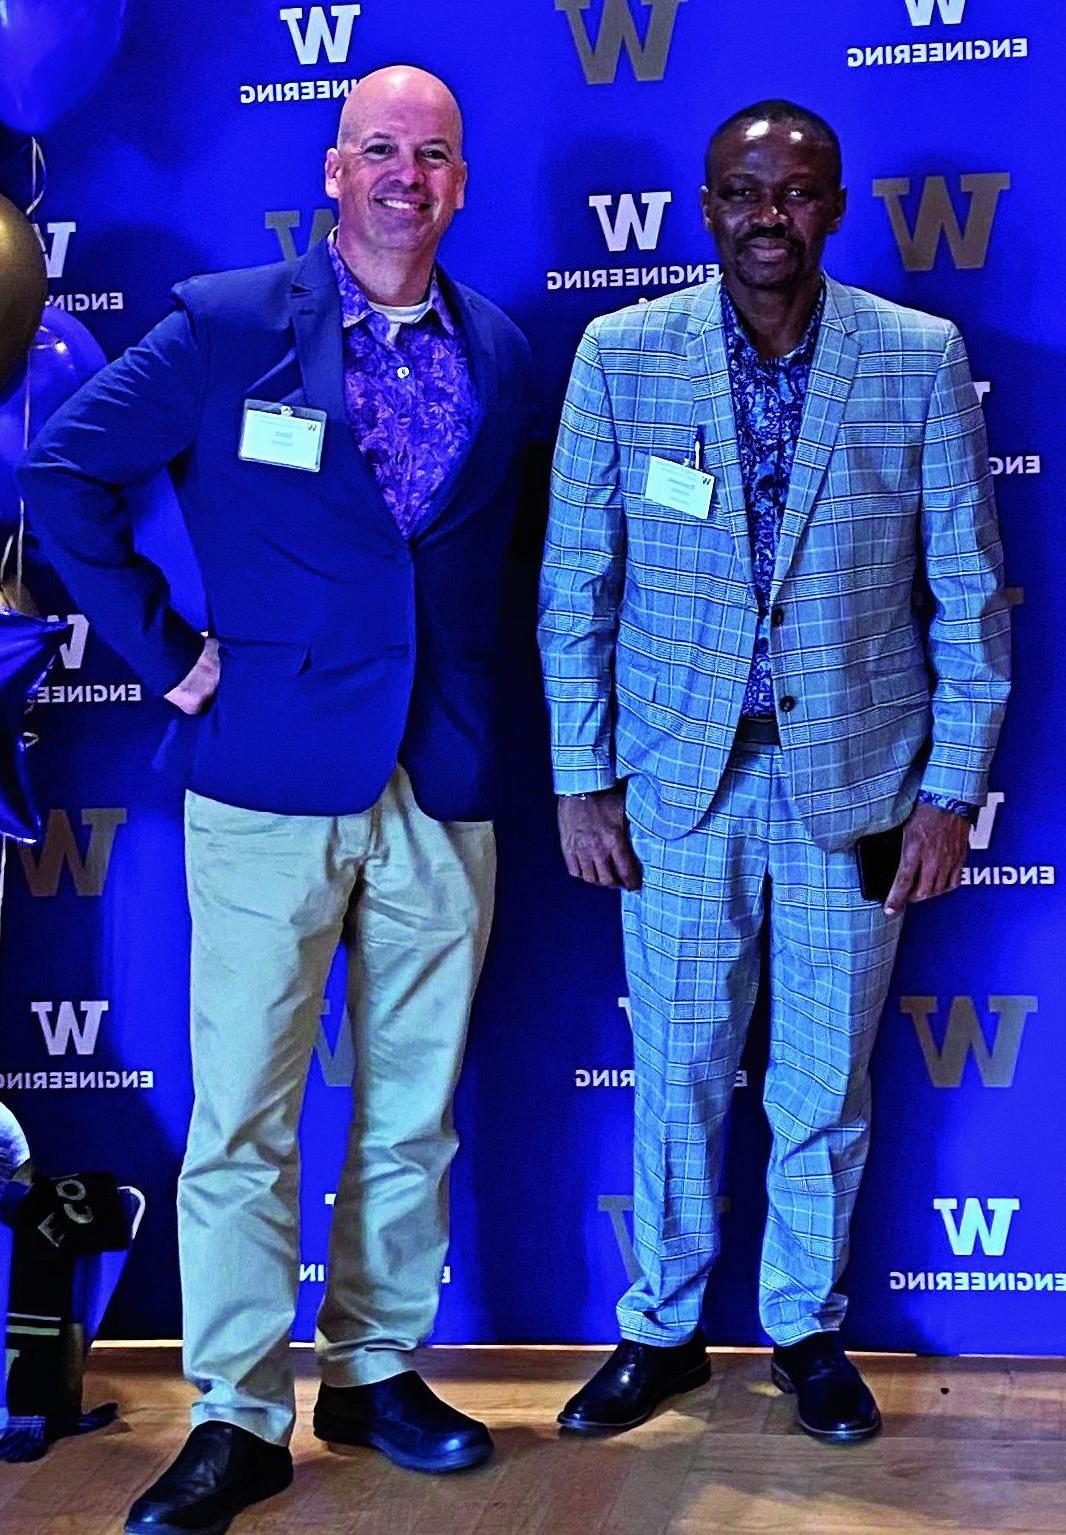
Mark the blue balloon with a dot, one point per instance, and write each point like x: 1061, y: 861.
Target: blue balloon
x: 62, y: 355
x: 53, y: 54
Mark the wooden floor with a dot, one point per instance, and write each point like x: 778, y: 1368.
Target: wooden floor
x: 973, y: 1445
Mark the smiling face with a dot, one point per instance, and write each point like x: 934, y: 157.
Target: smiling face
x: 397, y: 173
x: 772, y: 197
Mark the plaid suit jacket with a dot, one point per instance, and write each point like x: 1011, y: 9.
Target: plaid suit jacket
x: 648, y: 615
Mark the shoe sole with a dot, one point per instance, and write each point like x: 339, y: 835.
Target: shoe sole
x: 826, y: 1435
x: 346, y: 1433
x: 699, y: 1375
x: 219, y: 1527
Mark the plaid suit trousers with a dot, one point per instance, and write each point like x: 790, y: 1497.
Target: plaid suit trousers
x: 692, y: 947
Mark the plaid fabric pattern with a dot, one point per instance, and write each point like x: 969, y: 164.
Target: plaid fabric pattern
x: 692, y: 955
x: 649, y: 616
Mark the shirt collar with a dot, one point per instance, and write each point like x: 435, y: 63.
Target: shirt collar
x: 737, y: 335
x: 355, y: 306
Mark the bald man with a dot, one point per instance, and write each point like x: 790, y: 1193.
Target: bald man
x: 343, y: 434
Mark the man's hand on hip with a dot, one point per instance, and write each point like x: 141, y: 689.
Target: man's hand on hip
x: 194, y: 692
x: 935, y: 845
x: 595, y: 839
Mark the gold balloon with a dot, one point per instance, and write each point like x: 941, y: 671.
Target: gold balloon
x: 23, y: 287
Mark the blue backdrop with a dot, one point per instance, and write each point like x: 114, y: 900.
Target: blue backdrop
x: 200, y: 146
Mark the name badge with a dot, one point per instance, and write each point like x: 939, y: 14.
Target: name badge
x: 289, y: 436
x: 679, y: 487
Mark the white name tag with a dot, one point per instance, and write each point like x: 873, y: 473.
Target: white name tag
x: 680, y: 488
x: 287, y: 435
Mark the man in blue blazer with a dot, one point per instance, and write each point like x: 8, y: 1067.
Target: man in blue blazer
x: 343, y: 433
x: 758, y: 486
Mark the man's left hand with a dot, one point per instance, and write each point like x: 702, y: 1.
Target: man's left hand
x: 935, y: 845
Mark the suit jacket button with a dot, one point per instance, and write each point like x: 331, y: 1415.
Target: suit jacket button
x: 788, y: 703
x: 777, y: 617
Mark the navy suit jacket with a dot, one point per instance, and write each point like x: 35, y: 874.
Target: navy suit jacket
x: 344, y: 647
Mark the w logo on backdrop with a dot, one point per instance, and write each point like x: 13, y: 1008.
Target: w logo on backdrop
x: 67, y: 1029
x: 310, y: 37
x: 964, y: 1037
x: 625, y: 223
x: 285, y: 222
x: 921, y: 12
x: 988, y: 1226
x: 618, y: 30
x: 56, y: 245
x: 59, y: 850
x: 937, y: 218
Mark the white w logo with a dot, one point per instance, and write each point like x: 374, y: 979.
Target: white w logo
x: 981, y: 834
x: 627, y: 222
x: 310, y: 42
x: 67, y: 1027
x: 975, y: 1226
x: 72, y: 654
x: 55, y: 253
x: 921, y: 11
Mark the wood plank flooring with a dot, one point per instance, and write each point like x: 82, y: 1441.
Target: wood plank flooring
x: 970, y: 1445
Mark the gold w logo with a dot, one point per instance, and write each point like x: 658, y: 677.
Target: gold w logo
x: 618, y: 30
x: 968, y: 243
x: 964, y: 1036
x: 60, y: 850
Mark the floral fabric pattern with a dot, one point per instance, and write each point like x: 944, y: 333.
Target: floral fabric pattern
x: 410, y: 401
x: 768, y: 395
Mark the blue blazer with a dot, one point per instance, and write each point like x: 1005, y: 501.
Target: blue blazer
x: 345, y: 648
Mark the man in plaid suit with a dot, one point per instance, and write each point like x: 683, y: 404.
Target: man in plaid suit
x: 772, y: 624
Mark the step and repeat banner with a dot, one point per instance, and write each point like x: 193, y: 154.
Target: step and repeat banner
x: 175, y: 140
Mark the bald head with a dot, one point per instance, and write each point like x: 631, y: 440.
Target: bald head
x: 399, y: 86
x: 398, y: 176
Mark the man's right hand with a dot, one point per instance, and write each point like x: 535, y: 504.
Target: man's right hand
x: 595, y: 839
x: 194, y: 692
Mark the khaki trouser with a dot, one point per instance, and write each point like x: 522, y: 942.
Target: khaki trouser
x: 271, y: 898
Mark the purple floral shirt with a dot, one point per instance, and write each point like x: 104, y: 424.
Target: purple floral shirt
x: 411, y: 402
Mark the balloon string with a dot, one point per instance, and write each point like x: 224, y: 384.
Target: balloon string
x: 3, y: 879
x: 38, y: 187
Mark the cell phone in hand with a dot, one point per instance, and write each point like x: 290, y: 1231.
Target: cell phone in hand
x: 878, y: 858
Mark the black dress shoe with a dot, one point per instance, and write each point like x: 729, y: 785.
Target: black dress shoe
x: 405, y: 1420
x: 833, y: 1402
x: 221, y: 1470
x: 626, y: 1390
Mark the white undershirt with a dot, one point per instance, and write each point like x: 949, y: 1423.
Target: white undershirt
x: 400, y: 314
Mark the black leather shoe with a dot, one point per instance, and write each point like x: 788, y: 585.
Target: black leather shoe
x: 221, y: 1470
x: 405, y: 1420
x: 627, y: 1389
x: 833, y: 1402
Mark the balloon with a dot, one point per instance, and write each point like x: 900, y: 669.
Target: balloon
x: 23, y: 285
x: 53, y: 53
x: 28, y: 647
x: 63, y: 355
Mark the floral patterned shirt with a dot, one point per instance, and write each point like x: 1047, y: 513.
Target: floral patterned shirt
x: 411, y: 402
x: 768, y: 395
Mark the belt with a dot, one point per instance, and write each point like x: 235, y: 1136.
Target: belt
x: 759, y: 730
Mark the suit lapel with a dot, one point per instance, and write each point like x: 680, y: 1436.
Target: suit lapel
x: 713, y: 396
x: 836, y: 357
x: 477, y: 334
x: 316, y: 320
